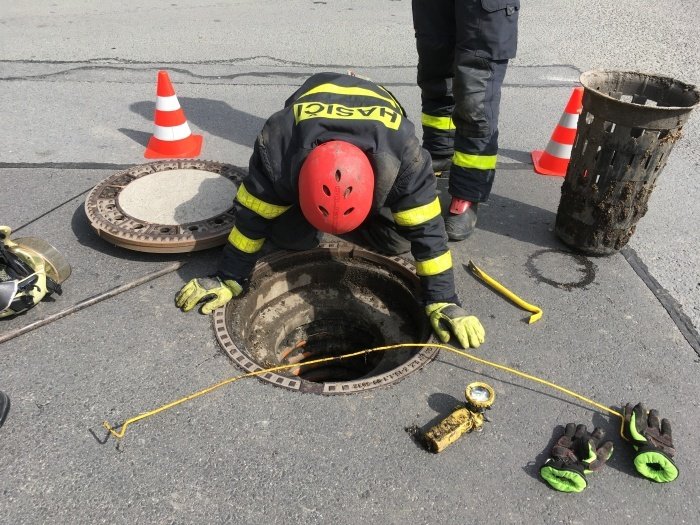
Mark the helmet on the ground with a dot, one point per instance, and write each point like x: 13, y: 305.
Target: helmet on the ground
x: 30, y: 269
x: 336, y: 184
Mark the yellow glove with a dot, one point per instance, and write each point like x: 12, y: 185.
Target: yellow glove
x: 466, y: 328
x: 211, y: 290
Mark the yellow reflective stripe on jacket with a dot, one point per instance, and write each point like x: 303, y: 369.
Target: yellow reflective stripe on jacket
x: 479, y: 162
x: 389, y: 117
x: 243, y: 243
x: 396, y: 102
x: 262, y: 208
x: 435, y: 265
x: 418, y: 215
x: 352, y: 91
x: 444, y: 123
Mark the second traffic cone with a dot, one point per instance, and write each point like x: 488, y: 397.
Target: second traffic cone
x: 172, y: 137
x: 555, y: 158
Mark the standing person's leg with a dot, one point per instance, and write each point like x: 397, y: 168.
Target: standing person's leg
x: 476, y: 142
x: 434, y: 24
x: 486, y: 39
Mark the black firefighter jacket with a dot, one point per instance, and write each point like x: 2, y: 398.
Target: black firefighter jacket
x: 332, y: 106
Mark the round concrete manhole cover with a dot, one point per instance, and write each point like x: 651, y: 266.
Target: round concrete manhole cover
x: 166, y: 206
x: 333, y: 300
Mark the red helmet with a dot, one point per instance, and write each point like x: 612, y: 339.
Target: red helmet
x: 336, y: 183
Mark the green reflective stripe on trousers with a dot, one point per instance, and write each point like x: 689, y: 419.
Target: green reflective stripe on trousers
x: 435, y: 265
x: 243, y: 243
x: 418, y: 215
x: 352, y: 91
x: 262, y: 208
x: 479, y: 162
x: 443, y: 123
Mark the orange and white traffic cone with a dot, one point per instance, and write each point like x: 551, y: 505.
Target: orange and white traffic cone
x: 555, y: 158
x: 172, y: 137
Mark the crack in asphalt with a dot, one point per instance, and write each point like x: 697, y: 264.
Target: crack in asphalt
x: 241, y: 60
x: 116, y: 64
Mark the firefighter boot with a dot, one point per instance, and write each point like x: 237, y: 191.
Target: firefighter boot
x: 461, y: 221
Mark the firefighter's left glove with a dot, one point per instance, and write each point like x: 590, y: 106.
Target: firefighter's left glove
x: 652, y: 441
x: 212, y: 291
x: 574, y: 455
x: 448, y: 317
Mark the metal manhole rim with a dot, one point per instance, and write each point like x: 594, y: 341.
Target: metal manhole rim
x: 240, y: 359
x: 102, y: 209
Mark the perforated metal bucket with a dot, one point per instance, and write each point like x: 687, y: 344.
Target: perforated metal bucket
x: 627, y: 129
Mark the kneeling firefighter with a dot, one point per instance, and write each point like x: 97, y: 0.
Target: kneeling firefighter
x: 340, y: 156
x: 30, y: 270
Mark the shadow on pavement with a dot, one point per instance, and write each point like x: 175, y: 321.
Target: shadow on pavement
x: 211, y: 116
x: 532, y: 468
x: 510, y: 218
x: 140, y: 137
x: 198, y: 263
x: 622, y: 458
x: 523, y: 160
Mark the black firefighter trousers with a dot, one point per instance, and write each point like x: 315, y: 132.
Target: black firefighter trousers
x: 463, y: 52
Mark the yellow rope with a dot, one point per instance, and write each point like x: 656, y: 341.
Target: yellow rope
x: 493, y: 283
x: 120, y: 434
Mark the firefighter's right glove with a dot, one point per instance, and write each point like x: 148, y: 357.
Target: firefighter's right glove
x: 212, y: 291
x: 652, y: 441
x: 448, y: 317
x: 574, y: 455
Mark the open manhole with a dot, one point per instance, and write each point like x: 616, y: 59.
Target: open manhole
x: 332, y: 300
x: 167, y: 206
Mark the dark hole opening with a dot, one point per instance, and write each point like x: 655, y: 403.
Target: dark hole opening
x: 329, y: 337
x: 322, y: 304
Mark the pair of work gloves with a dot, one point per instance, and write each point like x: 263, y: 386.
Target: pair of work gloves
x: 578, y: 452
x: 445, y: 318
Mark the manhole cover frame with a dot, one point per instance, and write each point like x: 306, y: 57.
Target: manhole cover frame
x: 112, y: 223
x: 241, y: 358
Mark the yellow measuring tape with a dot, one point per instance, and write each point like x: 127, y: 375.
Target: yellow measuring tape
x: 120, y: 433
x: 493, y: 283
